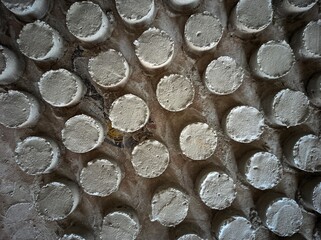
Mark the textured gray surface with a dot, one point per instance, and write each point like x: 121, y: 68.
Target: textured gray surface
x: 135, y: 191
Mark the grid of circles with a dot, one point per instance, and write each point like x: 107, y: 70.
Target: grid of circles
x: 200, y: 127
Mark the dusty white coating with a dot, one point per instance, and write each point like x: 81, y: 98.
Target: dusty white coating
x: 314, y: 89
x: 274, y: 59
x: 223, y: 76
x: 120, y: 225
x: 289, y: 108
x: 307, y: 153
x: 190, y: 236
x: 175, y: 92
x: 151, y: 41
x: 11, y: 67
x: 199, y: 221
x: 262, y: 233
x: 18, y: 109
x: 244, y: 124
x: 101, y: 177
x: 216, y: 189
x: 22, y: 222
x: 37, y: 155
x: 150, y: 158
x: 71, y: 237
x: 263, y: 170
x: 283, y: 217
x: 33, y: 231
x: 311, y: 44
x: 136, y: 12
x: 235, y: 228
x: 82, y: 133
x: 18, y: 213
x: 202, y: 32
x: 27, y: 9
x: 198, y: 141
x: 297, y: 6
x: 46, y: 46
x: 169, y: 206
x: 87, y: 22
x: 109, y: 69
x: 56, y: 200
x: 128, y: 113
x: 61, y: 88
x: 310, y: 193
x: 304, y: 152
x: 253, y: 18
x: 183, y: 5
